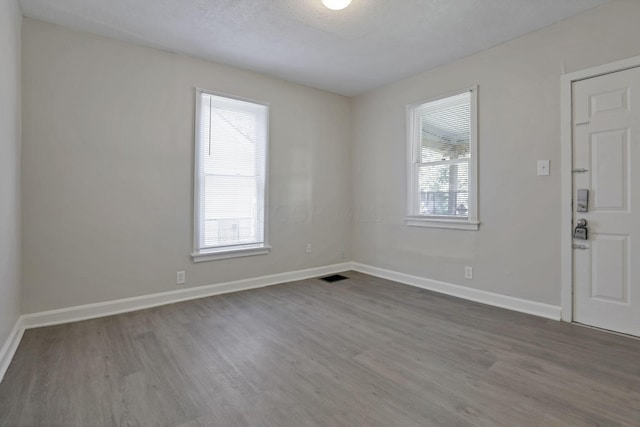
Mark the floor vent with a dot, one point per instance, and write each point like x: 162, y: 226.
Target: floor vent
x: 334, y: 278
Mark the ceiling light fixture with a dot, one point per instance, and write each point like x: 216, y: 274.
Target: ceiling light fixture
x: 336, y: 4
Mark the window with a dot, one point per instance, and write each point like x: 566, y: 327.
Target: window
x: 442, y: 170
x: 230, y: 172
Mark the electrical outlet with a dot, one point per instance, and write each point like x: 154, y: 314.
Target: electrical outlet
x: 181, y: 278
x: 308, y: 248
x: 468, y: 272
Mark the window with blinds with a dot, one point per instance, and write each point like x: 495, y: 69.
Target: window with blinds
x: 442, y: 146
x: 231, y: 148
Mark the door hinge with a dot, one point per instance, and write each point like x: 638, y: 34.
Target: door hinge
x: 579, y: 170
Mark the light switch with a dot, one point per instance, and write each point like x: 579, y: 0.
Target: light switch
x: 543, y: 167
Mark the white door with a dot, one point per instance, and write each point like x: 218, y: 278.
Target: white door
x: 606, y: 161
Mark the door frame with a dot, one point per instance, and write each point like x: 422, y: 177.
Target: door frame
x: 566, y: 176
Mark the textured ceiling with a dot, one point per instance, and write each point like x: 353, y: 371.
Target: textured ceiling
x: 369, y: 44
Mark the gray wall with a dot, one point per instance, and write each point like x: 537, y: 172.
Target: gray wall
x: 107, y: 170
x: 517, y: 249
x: 10, y: 21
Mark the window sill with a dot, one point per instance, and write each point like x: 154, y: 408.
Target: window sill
x: 227, y: 253
x: 454, y: 224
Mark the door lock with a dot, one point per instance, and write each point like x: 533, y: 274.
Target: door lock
x: 581, y: 232
x: 583, y: 200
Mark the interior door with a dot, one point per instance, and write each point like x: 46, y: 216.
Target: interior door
x: 606, y: 161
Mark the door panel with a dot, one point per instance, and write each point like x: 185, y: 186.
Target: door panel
x: 609, y: 162
x: 607, y: 144
x: 609, y: 280
x: 609, y: 101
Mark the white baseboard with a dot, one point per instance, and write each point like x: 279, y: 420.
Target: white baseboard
x: 108, y: 308
x: 503, y: 301
x: 10, y: 346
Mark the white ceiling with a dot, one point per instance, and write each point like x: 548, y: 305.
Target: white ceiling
x: 369, y: 44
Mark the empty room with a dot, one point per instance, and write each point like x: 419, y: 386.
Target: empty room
x: 339, y: 213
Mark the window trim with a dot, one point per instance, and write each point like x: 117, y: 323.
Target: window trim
x: 413, y: 219
x: 231, y: 252
x: 236, y: 251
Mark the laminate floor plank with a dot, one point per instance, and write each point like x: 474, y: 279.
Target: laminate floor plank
x: 357, y: 353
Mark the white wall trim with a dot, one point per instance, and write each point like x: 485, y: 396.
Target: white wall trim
x: 566, y: 200
x: 453, y: 224
x: 497, y: 300
x: 108, y: 308
x: 566, y: 164
x: 10, y: 346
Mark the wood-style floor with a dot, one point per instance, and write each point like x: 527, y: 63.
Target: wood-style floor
x: 361, y: 352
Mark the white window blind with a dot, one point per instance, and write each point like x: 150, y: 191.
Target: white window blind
x: 442, y: 144
x: 231, y: 147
